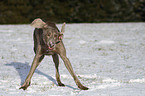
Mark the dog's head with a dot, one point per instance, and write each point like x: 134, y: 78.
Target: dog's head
x: 51, y: 34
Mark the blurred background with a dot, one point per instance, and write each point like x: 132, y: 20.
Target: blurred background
x: 71, y: 11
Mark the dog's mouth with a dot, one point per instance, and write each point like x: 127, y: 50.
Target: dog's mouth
x: 50, y: 48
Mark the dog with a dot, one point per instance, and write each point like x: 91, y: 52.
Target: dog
x: 48, y: 41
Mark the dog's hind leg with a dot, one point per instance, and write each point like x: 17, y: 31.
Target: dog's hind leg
x: 56, y: 61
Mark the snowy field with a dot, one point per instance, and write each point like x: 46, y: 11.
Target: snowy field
x: 109, y: 58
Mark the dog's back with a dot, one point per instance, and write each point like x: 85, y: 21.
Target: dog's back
x: 53, y: 25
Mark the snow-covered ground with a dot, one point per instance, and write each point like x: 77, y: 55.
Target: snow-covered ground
x: 109, y: 58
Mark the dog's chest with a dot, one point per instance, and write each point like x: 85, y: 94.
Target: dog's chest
x: 46, y: 51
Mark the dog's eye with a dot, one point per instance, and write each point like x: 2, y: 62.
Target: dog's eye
x: 55, y: 36
x: 48, y: 34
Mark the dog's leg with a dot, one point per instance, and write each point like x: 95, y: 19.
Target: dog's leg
x: 62, y: 53
x: 36, y: 61
x: 56, y: 61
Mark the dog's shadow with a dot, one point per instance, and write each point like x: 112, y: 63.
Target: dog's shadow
x: 23, y: 70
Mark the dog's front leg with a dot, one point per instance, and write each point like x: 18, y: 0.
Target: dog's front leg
x: 70, y: 69
x: 37, y: 59
x: 68, y: 65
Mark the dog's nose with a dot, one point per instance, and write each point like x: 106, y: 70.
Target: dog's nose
x: 51, y: 44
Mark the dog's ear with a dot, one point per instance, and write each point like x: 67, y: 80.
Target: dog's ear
x: 38, y: 23
x: 62, y: 31
x: 62, y: 28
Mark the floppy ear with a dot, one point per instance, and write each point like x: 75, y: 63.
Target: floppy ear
x: 38, y: 23
x: 62, y: 28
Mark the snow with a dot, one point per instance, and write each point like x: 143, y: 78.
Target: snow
x: 106, y: 42
x: 107, y: 57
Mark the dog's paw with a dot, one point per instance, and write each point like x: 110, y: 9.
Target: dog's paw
x: 25, y: 85
x: 83, y: 87
x: 61, y: 84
